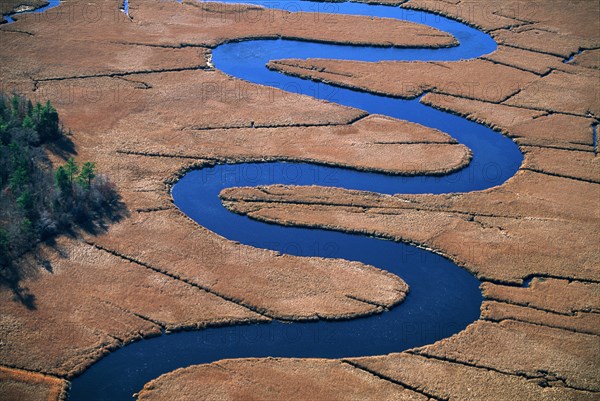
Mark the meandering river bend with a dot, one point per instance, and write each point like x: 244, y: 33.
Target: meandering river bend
x: 443, y: 297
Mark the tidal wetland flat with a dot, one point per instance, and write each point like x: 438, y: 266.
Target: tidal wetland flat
x: 299, y: 200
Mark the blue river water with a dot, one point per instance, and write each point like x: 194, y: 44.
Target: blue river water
x: 443, y: 297
x: 51, y: 4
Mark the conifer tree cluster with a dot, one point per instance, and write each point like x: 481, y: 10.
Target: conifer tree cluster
x: 36, y: 200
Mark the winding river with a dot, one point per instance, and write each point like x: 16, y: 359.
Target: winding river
x: 443, y: 297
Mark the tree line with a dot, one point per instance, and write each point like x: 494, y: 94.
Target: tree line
x: 37, y: 200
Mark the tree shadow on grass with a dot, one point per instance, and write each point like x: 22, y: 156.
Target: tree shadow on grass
x: 11, y: 278
x: 63, y: 147
x: 111, y: 213
x: 29, y: 265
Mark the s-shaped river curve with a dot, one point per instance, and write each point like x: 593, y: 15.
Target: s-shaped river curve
x: 443, y: 298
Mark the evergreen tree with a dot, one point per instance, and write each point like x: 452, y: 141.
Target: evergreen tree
x: 61, y: 179
x: 72, y: 169
x: 88, y: 172
x: 4, y: 134
x: 25, y: 201
x: 18, y: 155
x: 47, y: 122
x: 15, y: 102
x: 18, y: 179
x: 28, y: 122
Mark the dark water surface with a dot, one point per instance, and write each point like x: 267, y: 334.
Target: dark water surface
x: 443, y: 297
